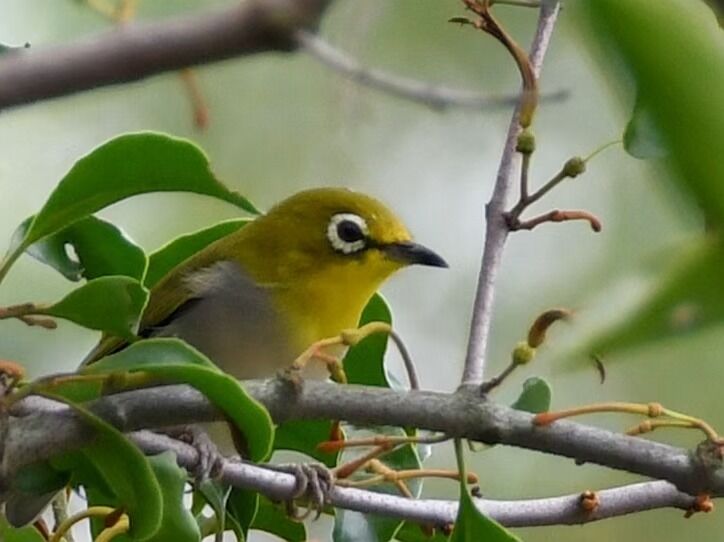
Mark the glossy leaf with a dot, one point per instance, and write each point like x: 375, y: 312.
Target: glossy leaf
x: 122, y: 167
x: 216, y: 495
x: 101, y: 248
x: 303, y: 436
x: 39, y: 479
x: 173, y: 361
x: 110, y: 304
x: 177, y: 522
x: 364, y: 363
x: 175, y: 252
x: 241, y: 507
x: 679, y: 93
x: 125, y: 166
x: 535, y: 397
x: 24, y: 534
x: 471, y: 525
x: 271, y: 518
x: 114, y: 457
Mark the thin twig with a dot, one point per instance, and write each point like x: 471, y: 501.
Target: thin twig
x: 432, y: 95
x: 497, y: 226
x: 556, y: 215
x: 407, y: 360
x: 562, y: 510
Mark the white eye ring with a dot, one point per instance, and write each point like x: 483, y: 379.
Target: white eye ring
x: 342, y: 245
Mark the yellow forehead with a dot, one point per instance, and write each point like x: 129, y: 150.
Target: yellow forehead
x: 319, y: 205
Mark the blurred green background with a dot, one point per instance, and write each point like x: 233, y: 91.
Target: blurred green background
x: 280, y: 123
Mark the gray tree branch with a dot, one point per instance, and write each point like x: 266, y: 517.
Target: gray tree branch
x: 41, y: 433
x: 497, y: 229
x: 40, y: 429
x: 136, y: 51
x: 564, y: 510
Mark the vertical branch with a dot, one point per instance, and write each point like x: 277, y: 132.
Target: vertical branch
x: 497, y: 228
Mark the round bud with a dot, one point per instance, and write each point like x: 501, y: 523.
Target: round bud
x: 526, y: 142
x: 523, y: 353
x: 574, y: 167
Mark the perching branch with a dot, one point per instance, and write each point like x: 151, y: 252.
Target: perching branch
x: 139, y: 50
x: 429, y: 94
x: 43, y: 433
x: 519, y: 513
x: 496, y: 225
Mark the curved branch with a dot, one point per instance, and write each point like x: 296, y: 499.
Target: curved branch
x: 432, y: 95
x: 137, y: 51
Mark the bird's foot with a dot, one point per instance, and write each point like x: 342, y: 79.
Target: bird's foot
x: 208, y: 466
x: 314, y: 483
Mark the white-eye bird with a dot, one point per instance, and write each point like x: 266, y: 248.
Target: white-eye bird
x: 256, y: 299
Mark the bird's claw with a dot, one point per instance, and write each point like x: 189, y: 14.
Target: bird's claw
x: 314, y: 482
x: 208, y: 466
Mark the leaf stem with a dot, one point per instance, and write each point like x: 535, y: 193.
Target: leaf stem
x: 9, y: 260
x: 67, y: 525
x: 602, y: 148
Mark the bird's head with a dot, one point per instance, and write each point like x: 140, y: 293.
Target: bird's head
x: 343, y: 235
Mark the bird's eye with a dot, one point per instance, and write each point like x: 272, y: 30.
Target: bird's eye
x: 347, y: 233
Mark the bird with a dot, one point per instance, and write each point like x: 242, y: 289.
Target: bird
x: 256, y: 299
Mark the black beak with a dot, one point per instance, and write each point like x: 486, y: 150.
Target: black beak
x: 412, y: 253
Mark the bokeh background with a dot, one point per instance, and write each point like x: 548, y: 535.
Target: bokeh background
x: 280, y: 123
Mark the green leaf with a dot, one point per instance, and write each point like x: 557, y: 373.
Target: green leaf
x: 271, y: 518
x: 177, y: 523
x: 412, y: 532
x: 115, y: 457
x: 535, y: 397
x: 24, y: 534
x: 351, y: 526
x: 125, y: 166
x: 175, y: 252
x: 689, y: 298
x: 122, y: 167
x: 241, y: 507
x: 471, y: 525
x: 168, y: 360
x: 216, y: 495
x: 641, y: 139
x: 679, y: 93
x: 39, y: 479
x: 101, y: 248
x: 110, y: 304
x: 364, y: 363
x: 303, y: 436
